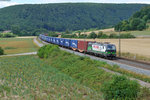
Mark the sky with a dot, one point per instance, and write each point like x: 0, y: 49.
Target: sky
x: 5, y: 3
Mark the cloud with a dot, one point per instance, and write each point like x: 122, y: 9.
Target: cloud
x: 5, y: 4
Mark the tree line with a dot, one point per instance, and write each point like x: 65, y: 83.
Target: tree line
x: 100, y: 35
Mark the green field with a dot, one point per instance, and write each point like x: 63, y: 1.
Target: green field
x: 29, y: 78
x: 17, y: 45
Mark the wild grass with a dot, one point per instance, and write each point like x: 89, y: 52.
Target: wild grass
x: 17, y: 45
x: 29, y: 78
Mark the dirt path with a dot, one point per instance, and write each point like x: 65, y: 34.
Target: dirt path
x: 20, y: 54
x: 37, y: 43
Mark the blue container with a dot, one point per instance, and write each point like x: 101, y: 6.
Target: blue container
x: 51, y: 40
x: 47, y: 38
x: 42, y: 37
x: 67, y: 42
x: 74, y: 43
x: 62, y: 41
x: 58, y: 41
x: 54, y: 40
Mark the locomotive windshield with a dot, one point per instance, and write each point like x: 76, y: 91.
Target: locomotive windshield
x: 111, y: 47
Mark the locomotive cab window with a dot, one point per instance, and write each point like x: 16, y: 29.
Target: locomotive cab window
x: 111, y: 47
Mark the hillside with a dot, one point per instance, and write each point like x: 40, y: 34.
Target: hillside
x: 137, y: 21
x: 37, y: 18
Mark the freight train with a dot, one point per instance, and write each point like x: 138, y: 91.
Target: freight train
x: 105, y: 50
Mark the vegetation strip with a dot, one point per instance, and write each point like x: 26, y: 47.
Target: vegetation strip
x: 142, y: 83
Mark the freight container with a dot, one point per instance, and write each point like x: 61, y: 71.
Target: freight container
x: 54, y: 40
x: 57, y: 40
x: 40, y: 36
x: 51, y: 39
x: 74, y: 44
x: 48, y: 39
x: 43, y: 37
x: 67, y: 42
x: 82, y: 45
x: 62, y: 41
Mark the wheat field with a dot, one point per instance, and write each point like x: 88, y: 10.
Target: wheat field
x: 140, y: 46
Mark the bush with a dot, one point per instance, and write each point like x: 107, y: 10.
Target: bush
x: 127, y: 35
x: 47, y: 50
x: 120, y: 88
x: 69, y: 36
x: 100, y: 33
x: 104, y: 36
x: 1, y: 51
x: 7, y: 35
x: 92, y: 35
x: 113, y: 35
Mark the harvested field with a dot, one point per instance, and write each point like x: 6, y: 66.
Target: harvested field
x: 109, y: 30
x: 134, y: 46
x: 17, y: 45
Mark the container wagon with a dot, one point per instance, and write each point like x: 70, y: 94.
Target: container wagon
x: 82, y: 46
x: 67, y: 43
x: 74, y: 44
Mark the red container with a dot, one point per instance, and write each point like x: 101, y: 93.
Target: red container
x: 82, y: 45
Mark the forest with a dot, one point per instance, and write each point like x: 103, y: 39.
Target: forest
x: 33, y: 19
x: 138, y: 21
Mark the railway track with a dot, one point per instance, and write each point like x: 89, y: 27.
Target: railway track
x: 127, y: 64
x: 139, y: 64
